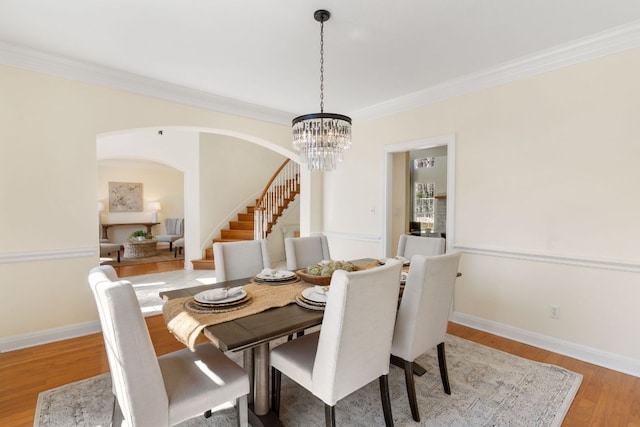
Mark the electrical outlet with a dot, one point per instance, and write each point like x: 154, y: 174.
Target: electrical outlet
x: 554, y: 312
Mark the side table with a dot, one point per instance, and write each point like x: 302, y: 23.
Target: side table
x: 139, y: 248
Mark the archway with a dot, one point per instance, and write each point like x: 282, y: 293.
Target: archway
x: 178, y: 147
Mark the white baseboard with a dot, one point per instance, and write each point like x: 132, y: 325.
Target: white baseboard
x: 577, y: 351
x: 48, y: 336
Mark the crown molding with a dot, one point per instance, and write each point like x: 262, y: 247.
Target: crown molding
x: 34, y: 60
x: 580, y: 50
x: 584, y: 49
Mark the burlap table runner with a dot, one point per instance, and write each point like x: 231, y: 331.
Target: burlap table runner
x: 186, y: 325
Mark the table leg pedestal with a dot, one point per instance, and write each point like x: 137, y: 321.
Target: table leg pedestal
x: 261, y: 379
x: 247, y: 362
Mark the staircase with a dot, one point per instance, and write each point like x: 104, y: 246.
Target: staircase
x: 281, y: 190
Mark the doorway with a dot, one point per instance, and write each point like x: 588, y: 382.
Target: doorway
x: 398, y: 188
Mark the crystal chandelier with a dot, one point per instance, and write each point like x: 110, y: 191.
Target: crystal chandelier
x: 321, y: 137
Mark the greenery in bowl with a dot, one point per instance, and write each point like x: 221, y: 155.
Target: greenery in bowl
x: 327, y: 268
x: 140, y: 233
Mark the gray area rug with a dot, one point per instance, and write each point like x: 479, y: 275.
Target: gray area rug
x: 489, y: 388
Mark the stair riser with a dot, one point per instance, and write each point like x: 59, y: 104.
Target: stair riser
x: 236, y: 234
x: 241, y: 225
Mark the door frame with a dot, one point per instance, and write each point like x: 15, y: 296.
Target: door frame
x: 449, y: 141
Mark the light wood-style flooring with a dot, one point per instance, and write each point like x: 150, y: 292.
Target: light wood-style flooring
x: 605, y: 398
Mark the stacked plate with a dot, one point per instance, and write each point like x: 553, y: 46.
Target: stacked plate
x: 275, y: 277
x: 312, y: 298
x: 221, y: 299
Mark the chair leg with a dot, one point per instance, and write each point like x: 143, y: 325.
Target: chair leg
x: 118, y: 255
x: 242, y: 411
x: 386, y: 400
x: 117, y: 418
x: 444, y: 374
x: 411, y: 389
x: 329, y: 415
x: 276, y: 378
x: 170, y: 246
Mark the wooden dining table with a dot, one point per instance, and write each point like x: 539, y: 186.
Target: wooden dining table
x: 253, y: 333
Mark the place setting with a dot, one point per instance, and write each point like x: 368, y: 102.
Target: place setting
x: 269, y: 276
x: 219, y: 300
x: 313, y: 298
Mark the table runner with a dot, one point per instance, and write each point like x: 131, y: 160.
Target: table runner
x: 186, y: 326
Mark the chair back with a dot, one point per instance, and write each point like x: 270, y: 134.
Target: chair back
x: 355, y: 339
x: 423, y: 314
x: 408, y: 246
x: 235, y: 260
x: 174, y: 226
x: 302, y: 252
x: 135, y: 372
x: 102, y: 273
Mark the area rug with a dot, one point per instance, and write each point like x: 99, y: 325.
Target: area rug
x: 162, y: 255
x: 489, y: 388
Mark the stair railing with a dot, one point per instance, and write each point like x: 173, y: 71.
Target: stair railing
x: 276, y: 194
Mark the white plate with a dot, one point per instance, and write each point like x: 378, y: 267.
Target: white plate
x: 236, y: 297
x: 312, y: 295
x: 276, y: 275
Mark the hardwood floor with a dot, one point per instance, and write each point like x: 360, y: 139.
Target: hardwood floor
x: 605, y: 398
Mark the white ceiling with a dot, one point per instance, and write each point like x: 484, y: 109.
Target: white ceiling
x: 266, y: 53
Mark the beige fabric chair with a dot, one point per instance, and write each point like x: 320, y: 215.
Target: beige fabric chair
x: 178, y: 246
x: 354, y: 342
x: 302, y: 252
x: 423, y: 315
x: 174, y: 229
x: 235, y: 260
x: 408, y: 246
x: 106, y: 249
x: 159, y: 391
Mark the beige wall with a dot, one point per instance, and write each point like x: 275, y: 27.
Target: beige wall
x: 230, y: 167
x: 48, y: 181
x: 546, y: 178
x: 545, y: 173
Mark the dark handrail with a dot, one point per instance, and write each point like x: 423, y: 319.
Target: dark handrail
x: 266, y: 188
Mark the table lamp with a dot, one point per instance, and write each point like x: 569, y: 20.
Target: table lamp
x: 154, y: 207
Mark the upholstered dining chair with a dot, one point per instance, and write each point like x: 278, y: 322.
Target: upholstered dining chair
x: 353, y: 345
x: 159, y: 391
x: 409, y: 246
x: 235, y: 260
x: 174, y: 229
x: 302, y: 252
x: 423, y: 315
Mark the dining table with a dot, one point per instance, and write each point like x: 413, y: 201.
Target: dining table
x: 251, y: 329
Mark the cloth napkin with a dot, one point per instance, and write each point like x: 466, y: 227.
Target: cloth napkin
x: 221, y: 293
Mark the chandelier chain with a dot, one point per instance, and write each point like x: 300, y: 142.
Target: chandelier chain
x: 322, y: 66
